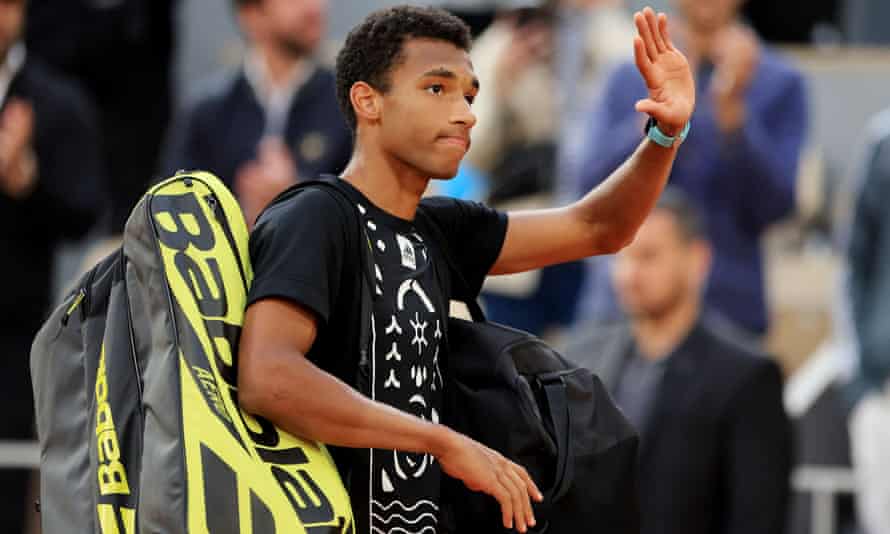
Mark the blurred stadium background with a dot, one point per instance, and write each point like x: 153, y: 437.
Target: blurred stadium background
x: 843, y: 49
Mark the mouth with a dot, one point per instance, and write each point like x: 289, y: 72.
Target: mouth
x: 457, y: 141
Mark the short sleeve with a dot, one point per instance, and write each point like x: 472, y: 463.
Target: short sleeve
x: 474, y: 235
x: 297, y: 250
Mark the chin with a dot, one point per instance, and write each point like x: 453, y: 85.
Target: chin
x: 443, y: 172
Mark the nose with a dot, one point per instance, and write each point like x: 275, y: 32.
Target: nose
x: 464, y: 115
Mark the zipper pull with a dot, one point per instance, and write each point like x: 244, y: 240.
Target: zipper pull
x: 78, y: 300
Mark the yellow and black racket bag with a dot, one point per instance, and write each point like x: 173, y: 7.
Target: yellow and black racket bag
x: 135, y: 389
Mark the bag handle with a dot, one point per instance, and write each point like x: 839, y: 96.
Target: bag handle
x: 365, y: 261
x: 554, y: 387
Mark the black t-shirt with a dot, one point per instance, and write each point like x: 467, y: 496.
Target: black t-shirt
x: 300, y: 251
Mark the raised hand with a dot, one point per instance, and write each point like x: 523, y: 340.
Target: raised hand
x: 665, y: 71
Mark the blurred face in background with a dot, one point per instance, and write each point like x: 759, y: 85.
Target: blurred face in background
x: 295, y: 27
x: 708, y: 15
x: 12, y: 18
x: 661, y: 270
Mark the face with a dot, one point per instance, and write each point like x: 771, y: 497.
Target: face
x: 12, y: 17
x: 295, y: 26
x: 708, y: 15
x: 660, y: 269
x: 426, y: 117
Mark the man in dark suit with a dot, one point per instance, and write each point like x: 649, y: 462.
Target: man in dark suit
x: 277, y: 119
x: 715, y: 439
x: 50, y: 176
x: 120, y: 52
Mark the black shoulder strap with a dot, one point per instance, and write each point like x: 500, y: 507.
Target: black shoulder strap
x: 357, y: 236
x: 475, y: 310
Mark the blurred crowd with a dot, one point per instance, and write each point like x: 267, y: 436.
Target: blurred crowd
x: 678, y: 325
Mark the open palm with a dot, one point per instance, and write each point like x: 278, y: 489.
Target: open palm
x: 665, y: 71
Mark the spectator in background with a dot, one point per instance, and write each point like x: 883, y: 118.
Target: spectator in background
x: 739, y: 164
x: 868, y: 258
x: 120, y: 52
x: 715, y: 439
x: 277, y: 119
x: 538, y: 65
x: 868, y: 255
x: 50, y: 173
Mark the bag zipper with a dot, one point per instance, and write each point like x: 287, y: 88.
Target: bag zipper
x: 78, y: 299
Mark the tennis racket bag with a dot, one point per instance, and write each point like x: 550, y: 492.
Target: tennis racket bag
x: 135, y: 389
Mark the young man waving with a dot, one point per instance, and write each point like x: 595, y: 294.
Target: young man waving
x: 406, y: 86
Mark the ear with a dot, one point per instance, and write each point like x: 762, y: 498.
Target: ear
x: 366, y: 102
x: 702, y: 256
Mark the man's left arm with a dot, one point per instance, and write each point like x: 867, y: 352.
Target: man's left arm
x: 759, y: 456
x: 607, y: 218
x: 763, y: 153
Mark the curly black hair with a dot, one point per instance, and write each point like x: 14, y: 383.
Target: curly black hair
x: 374, y: 47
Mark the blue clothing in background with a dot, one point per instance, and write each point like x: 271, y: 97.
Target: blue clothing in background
x: 868, y: 256
x: 743, y: 182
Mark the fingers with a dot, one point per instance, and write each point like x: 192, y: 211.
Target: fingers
x: 528, y: 516
x: 530, y: 485
x: 663, y: 28
x: 517, y: 516
x: 652, y: 22
x: 505, y: 499
x: 514, y: 490
x: 645, y: 33
x: 655, y: 109
x: 644, y: 64
x: 18, y: 122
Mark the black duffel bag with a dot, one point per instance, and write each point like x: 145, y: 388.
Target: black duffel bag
x: 512, y: 392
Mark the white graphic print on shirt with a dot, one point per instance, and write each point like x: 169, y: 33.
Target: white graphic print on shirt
x: 404, y: 487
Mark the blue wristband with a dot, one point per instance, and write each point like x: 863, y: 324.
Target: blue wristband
x: 660, y: 138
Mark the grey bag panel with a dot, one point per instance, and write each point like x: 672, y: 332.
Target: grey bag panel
x: 62, y: 412
x: 162, y: 484
x: 65, y: 358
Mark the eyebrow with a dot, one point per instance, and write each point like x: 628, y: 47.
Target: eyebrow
x: 445, y: 73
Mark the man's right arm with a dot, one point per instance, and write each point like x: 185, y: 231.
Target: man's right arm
x: 278, y: 382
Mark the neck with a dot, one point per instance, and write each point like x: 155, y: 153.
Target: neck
x: 389, y: 183
x: 279, y: 66
x: 658, y: 336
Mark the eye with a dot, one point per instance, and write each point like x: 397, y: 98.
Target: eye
x: 470, y: 99
x: 436, y: 89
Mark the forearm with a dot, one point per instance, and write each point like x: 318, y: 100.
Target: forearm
x: 617, y: 207
x: 306, y: 401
